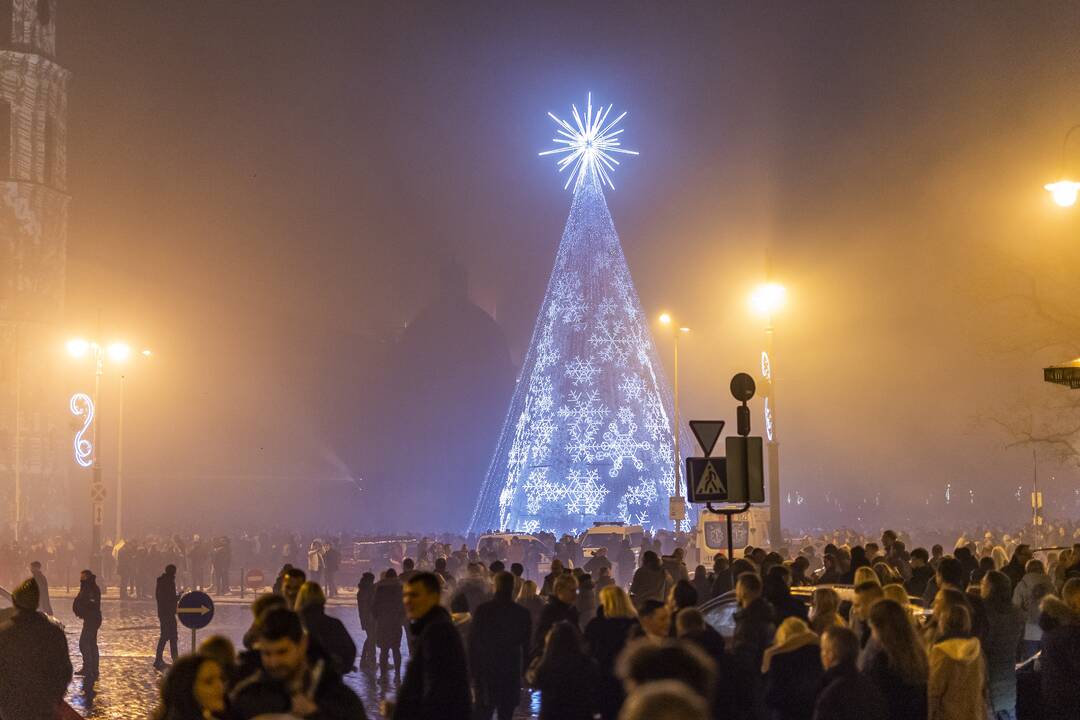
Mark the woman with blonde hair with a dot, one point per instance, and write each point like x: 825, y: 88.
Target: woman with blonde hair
x: 885, y: 574
x: 1000, y: 558
x: 529, y: 598
x: 897, y: 663
x: 957, y: 674
x: 605, y: 638
x: 865, y: 574
x: 825, y: 610
x: 792, y: 670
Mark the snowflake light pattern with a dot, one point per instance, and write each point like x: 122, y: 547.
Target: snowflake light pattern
x: 589, y: 146
x: 588, y: 436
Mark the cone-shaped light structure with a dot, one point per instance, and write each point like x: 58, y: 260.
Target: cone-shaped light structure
x: 588, y: 437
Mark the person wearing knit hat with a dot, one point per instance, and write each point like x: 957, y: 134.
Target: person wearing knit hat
x: 27, y: 596
x: 35, y: 667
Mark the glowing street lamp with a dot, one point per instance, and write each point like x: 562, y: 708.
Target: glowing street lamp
x: 767, y: 300
x: 1064, y: 192
x: 666, y: 321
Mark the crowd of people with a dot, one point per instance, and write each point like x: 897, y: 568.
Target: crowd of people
x: 879, y: 632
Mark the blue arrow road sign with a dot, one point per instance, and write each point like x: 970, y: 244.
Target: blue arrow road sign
x: 195, y: 610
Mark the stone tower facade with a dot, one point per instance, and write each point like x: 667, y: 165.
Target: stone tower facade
x: 33, y: 245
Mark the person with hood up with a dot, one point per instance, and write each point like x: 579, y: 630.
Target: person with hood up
x: 87, y: 607
x: 792, y: 670
x: 1028, y: 595
x: 651, y: 581
x: 35, y: 667
x: 956, y: 689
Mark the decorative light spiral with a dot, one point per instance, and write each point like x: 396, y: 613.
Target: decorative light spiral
x: 766, y: 366
x: 83, y: 406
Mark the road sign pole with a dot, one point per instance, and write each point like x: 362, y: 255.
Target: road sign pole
x: 193, y: 645
x: 678, y: 456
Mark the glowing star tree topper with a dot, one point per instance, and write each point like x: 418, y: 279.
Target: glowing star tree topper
x: 588, y: 437
x: 590, y: 145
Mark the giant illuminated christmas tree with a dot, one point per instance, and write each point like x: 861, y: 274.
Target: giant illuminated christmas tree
x: 588, y: 437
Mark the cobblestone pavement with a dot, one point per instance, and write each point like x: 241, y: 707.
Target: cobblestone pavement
x: 128, y: 638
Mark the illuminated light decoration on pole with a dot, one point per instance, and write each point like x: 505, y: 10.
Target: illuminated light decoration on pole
x: 766, y: 366
x: 768, y: 421
x: 83, y: 406
x: 588, y: 436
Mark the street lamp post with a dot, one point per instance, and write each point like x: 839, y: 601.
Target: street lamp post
x: 767, y: 300
x: 665, y: 320
x: 119, y: 353
x: 18, y: 435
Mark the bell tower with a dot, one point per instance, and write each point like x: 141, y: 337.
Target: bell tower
x: 33, y: 245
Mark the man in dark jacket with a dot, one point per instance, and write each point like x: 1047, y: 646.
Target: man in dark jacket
x: 332, y: 558
x: 327, y: 635
x: 1060, y: 661
x: 288, y: 683
x: 436, y: 685
x: 755, y: 622
x: 560, y: 606
x: 166, y: 597
x: 921, y: 572
x: 35, y: 667
x: 499, y: 638
x: 845, y: 694
x: 1016, y: 567
x: 87, y: 607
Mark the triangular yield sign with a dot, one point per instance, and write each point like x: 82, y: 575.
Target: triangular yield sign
x: 706, y: 432
x: 710, y: 482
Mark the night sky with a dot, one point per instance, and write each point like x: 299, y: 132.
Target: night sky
x: 264, y: 193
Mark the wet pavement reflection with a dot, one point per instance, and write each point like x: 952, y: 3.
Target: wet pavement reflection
x: 128, y: 638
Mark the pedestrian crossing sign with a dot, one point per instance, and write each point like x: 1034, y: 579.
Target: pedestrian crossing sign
x: 706, y: 479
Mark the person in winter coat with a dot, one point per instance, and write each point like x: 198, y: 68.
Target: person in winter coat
x: 565, y: 676
x: 561, y: 606
x: 327, y: 635
x: 755, y: 622
x: 896, y: 662
x: 792, y: 670
x: 35, y: 667
x: 586, y: 599
x: 651, y: 581
x: 674, y: 566
x: 692, y: 628
x: 956, y: 687
x: 605, y: 637
x: 529, y: 598
x: 921, y: 572
x: 165, y: 596
x: 436, y: 685
x: 365, y: 598
x: 389, y: 620
x: 43, y: 587
x: 332, y: 560
x: 500, y: 637
x: 1028, y: 595
x: 844, y: 693
x: 1000, y: 639
x: 1017, y: 566
x: 777, y: 590
x: 315, y: 561
x: 1059, y: 664
x: 87, y: 607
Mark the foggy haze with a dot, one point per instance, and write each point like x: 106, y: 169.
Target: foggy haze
x: 268, y: 194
